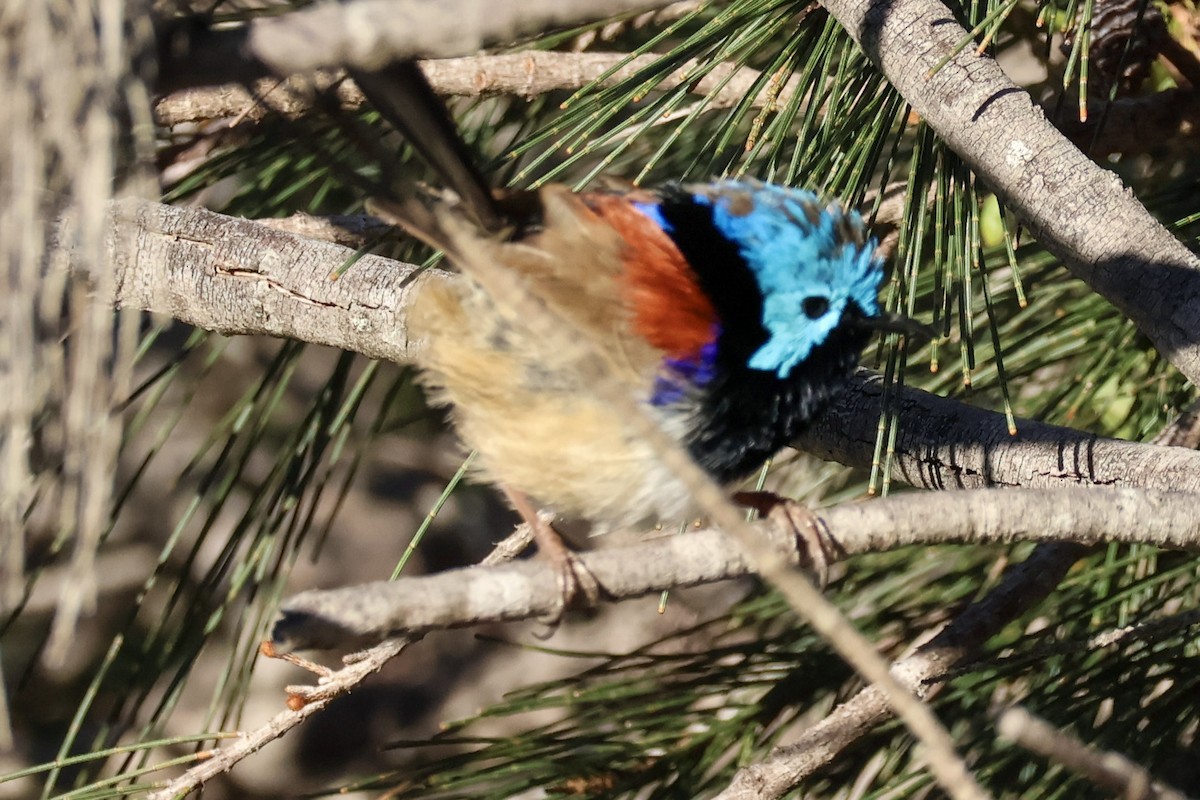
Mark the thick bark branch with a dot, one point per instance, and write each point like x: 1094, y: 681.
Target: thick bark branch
x: 366, y: 34
x: 235, y: 276
x: 1078, y: 210
x: 947, y: 444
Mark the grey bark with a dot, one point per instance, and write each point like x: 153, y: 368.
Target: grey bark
x: 1077, y: 209
x: 354, y: 615
x: 235, y: 276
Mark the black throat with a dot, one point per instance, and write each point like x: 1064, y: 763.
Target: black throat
x: 745, y: 415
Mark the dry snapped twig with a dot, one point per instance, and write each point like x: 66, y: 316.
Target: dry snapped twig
x: 303, y: 702
x: 1110, y: 771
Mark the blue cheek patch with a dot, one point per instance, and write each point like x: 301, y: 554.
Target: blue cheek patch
x: 795, y: 246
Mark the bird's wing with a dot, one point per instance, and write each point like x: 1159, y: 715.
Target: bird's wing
x: 602, y: 275
x: 607, y: 273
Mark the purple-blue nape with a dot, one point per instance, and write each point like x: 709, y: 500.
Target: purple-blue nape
x: 679, y: 376
x: 655, y: 213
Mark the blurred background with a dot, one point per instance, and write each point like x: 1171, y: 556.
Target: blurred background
x: 165, y: 487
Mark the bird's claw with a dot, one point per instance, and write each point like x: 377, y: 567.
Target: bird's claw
x: 577, y: 586
x: 818, y: 551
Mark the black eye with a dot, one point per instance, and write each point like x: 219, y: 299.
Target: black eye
x: 815, y: 306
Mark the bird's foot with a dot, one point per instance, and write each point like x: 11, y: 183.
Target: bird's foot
x: 818, y: 550
x: 577, y: 585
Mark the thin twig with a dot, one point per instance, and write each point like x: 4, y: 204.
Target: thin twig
x: 1110, y: 771
x: 526, y: 74
x: 350, y: 616
x: 304, y: 701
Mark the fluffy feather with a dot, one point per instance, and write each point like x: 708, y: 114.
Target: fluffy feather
x: 703, y: 310
x: 732, y: 310
x: 517, y: 397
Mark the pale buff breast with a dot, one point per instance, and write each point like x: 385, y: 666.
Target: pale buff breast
x: 537, y: 428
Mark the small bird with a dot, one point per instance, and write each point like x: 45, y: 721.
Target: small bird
x: 733, y: 311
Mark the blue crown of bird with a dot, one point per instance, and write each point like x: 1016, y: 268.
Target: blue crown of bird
x: 733, y: 311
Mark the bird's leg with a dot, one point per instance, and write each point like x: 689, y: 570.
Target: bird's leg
x: 577, y: 584
x: 818, y: 550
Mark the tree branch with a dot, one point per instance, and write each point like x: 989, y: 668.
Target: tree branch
x: 947, y: 444
x: 364, y: 34
x: 351, y: 616
x: 1078, y: 210
x: 305, y: 701
x: 527, y: 74
x: 1110, y: 771
x: 1133, y: 125
x: 235, y: 276
x: 1023, y: 586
